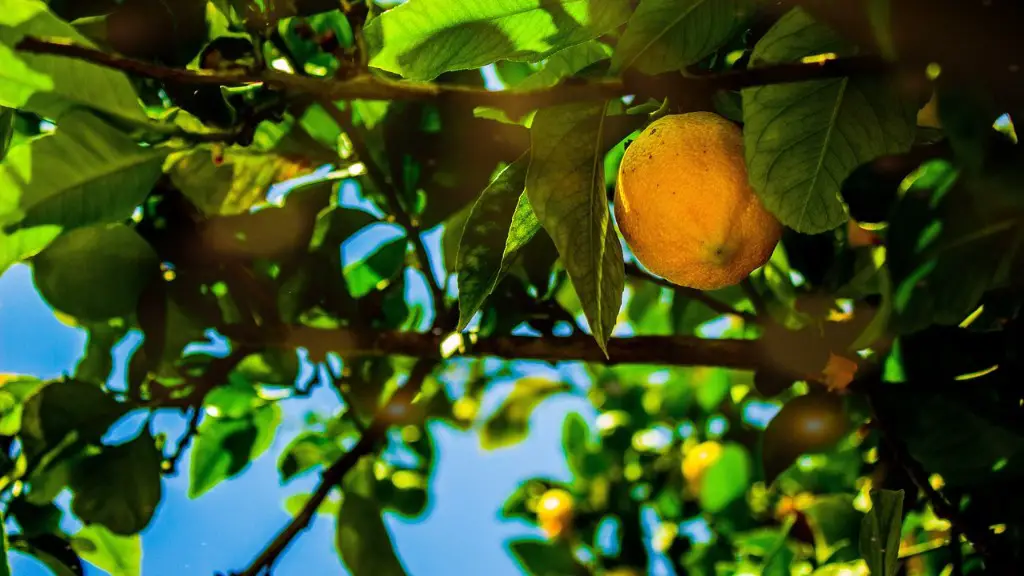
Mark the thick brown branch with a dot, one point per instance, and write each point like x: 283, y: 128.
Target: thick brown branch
x: 334, y: 475
x: 372, y: 87
x: 660, y: 350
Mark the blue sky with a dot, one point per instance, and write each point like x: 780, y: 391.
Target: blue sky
x: 460, y: 533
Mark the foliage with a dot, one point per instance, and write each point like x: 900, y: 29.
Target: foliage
x: 852, y: 408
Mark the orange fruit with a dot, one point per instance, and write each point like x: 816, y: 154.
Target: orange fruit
x: 685, y: 207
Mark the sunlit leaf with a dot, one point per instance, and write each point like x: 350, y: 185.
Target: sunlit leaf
x: 120, y: 487
x: 500, y: 223
x: 306, y: 451
x: 668, y: 35
x: 422, y: 39
x: 86, y: 172
x: 118, y: 555
x: 53, y: 85
x: 880, y: 532
x: 565, y: 185
x: 329, y: 507
x: 224, y: 447
x: 803, y: 139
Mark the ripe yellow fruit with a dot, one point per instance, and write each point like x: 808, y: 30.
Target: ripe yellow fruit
x: 685, y: 207
x: 698, y: 460
x: 555, y: 512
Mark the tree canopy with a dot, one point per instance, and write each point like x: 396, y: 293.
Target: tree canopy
x: 192, y: 172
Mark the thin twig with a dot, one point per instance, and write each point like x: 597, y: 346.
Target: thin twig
x: 335, y: 474
x: 171, y: 465
x: 691, y: 293
x: 412, y: 230
x: 372, y: 87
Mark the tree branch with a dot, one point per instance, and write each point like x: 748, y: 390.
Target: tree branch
x: 691, y: 293
x: 373, y: 87
x: 658, y: 350
x: 335, y: 474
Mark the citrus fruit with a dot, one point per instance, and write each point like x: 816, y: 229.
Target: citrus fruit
x: 555, y: 512
x: 685, y: 207
x: 698, y: 460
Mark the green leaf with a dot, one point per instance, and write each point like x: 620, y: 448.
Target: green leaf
x: 84, y: 173
x: 500, y: 223
x: 7, y: 116
x: 509, y: 424
x: 425, y: 38
x: 95, y: 273
x: 65, y: 408
x: 668, y: 35
x: 5, y: 566
x: 120, y: 487
x: 118, y: 555
x: 540, y: 558
x: 13, y: 393
x: 558, y: 66
x: 383, y: 265
x: 224, y: 447
x: 52, y: 86
x: 52, y: 551
x: 306, y: 451
x: 835, y: 524
x: 712, y: 386
x: 575, y: 441
x: 233, y: 186
x: 802, y: 139
x: 97, y: 363
x: 727, y: 479
x: 880, y: 532
x: 565, y: 185
x: 362, y: 539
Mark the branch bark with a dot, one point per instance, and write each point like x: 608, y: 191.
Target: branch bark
x: 374, y: 87
x: 657, y: 350
x: 335, y: 474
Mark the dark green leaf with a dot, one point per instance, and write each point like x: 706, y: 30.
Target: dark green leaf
x: 52, y: 551
x: 422, y: 39
x: 97, y: 362
x: 509, y: 424
x: 727, y: 479
x: 668, y: 35
x: 500, y: 223
x: 565, y: 185
x: 362, y: 539
x: 64, y: 408
x: 5, y: 566
x: 118, y: 555
x: 95, y: 273
x: 540, y: 558
x: 120, y: 487
x: 880, y: 532
x: 329, y: 507
x: 224, y: 447
x: 383, y: 265
x: 835, y: 525
x: 336, y: 225
x: 803, y: 139
x: 806, y: 424
x: 53, y: 85
x: 84, y: 173
x: 306, y: 451
x: 6, y: 130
